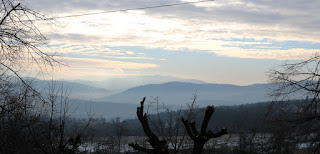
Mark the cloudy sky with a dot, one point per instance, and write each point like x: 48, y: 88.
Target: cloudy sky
x: 221, y: 41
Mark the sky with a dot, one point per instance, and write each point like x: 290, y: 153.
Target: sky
x: 221, y: 41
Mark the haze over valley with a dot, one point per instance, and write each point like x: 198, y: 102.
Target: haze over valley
x: 172, y: 92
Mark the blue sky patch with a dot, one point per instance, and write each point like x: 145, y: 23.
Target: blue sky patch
x: 269, y: 44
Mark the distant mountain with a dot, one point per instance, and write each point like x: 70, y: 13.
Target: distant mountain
x: 173, y: 94
x: 77, y: 90
x: 124, y: 83
x: 177, y: 93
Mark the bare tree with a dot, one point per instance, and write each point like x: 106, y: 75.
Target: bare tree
x: 20, y: 42
x: 62, y: 133
x: 159, y: 146
x: 300, y: 80
x: 27, y: 125
x: 167, y: 122
x: 41, y: 123
x: 16, y: 121
x: 120, y: 130
x: 200, y: 138
x: 20, y: 38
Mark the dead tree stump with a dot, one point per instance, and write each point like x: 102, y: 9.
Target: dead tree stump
x: 200, y: 138
x: 159, y: 146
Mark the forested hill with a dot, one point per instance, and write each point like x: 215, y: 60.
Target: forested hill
x: 237, y: 118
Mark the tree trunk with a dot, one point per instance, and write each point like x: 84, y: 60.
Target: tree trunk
x: 159, y: 146
x: 197, y: 148
x: 200, y: 138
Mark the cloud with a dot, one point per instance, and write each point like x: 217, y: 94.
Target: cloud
x: 75, y: 37
x: 71, y: 5
x: 118, y: 70
x: 105, y: 64
x: 128, y: 57
x: 292, y: 54
x: 96, y: 69
x: 93, y: 51
x: 192, y: 27
x: 295, y: 13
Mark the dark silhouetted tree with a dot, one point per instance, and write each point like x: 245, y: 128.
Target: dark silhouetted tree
x: 200, y: 138
x: 299, y: 80
x: 159, y: 146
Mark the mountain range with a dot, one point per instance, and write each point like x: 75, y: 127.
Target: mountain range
x: 76, y: 90
x: 123, y: 83
x: 177, y: 93
x: 172, y: 94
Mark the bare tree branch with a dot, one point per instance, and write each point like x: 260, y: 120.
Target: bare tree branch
x: 300, y: 81
x: 199, y: 140
x: 159, y: 146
